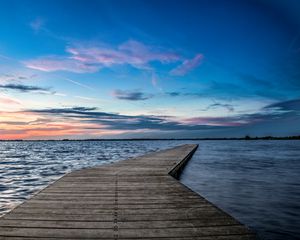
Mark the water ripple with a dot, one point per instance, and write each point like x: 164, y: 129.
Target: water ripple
x: 258, y: 182
x: 29, y: 166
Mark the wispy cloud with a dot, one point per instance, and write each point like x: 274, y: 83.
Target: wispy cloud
x: 141, y: 54
x: 273, y: 112
x: 57, y: 63
x: 164, y: 123
x: 291, y: 105
x: 217, y: 121
x: 185, y: 94
x: 26, y: 88
x: 187, y: 66
x: 82, y: 59
x: 37, y: 24
x: 233, y: 121
x: 90, y: 121
x: 4, y: 57
x: 77, y: 83
x: 15, y: 77
x: 131, y: 95
x: 87, y: 98
x: 227, y: 106
x: 9, y: 101
x: 116, y: 121
x: 47, y: 128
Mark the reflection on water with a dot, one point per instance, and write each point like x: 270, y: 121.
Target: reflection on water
x: 257, y: 182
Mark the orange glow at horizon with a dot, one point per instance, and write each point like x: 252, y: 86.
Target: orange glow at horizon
x: 27, y: 125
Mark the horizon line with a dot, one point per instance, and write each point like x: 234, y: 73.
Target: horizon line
x: 293, y: 137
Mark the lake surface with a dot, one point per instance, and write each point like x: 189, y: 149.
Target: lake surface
x: 257, y: 182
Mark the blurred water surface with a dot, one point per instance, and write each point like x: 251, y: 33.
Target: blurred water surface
x: 257, y: 182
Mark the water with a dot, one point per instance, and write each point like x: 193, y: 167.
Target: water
x: 257, y: 182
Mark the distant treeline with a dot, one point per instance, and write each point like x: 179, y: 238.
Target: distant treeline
x: 174, y: 139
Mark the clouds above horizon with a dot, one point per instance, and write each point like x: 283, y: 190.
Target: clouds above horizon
x: 16, y: 78
x: 121, y: 67
x: 215, y: 105
x: 184, y: 94
x: 9, y: 101
x: 26, y: 88
x: 187, y: 65
x: 91, y: 121
x: 118, y: 121
x: 272, y: 112
x: 115, y: 120
x: 288, y: 106
x: 134, y: 95
x: 87, y: 58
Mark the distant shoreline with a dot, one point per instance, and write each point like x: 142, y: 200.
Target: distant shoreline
x: 162, y: 139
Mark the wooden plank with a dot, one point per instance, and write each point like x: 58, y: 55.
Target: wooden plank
x: 108, y: 217
x: 134, y: 199
x: 138, y: 233
x: 228, y: 237
x: 138, y: 224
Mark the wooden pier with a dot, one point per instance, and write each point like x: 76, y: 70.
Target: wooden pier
x: 138, y: 198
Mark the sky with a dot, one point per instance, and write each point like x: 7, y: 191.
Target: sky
x: 149, y: 69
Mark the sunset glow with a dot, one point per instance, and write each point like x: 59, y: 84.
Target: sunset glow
x: 135, y: 69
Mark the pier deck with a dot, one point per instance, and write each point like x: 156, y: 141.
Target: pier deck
x: 138, y: 198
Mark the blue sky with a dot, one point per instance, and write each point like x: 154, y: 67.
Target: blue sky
x: 122, y: 69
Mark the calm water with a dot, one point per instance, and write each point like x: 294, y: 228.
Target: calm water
x: 258, y: 182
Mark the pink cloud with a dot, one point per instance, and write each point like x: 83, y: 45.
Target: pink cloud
x: 143, y: 54
x: 10, y: 101
x: 91, y: 59
x: 54, y: 63
x: 187, y: 66
x: 28, y: 125
x: 216, y: 121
